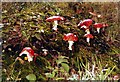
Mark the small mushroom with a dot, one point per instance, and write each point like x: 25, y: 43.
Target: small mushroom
x: 55, y: 19
x: 70, y: 37
x: 29, y: 52
x: 45, y: 51
x: 86, y: 24
x: 99, y: 25
x: 88, y: 37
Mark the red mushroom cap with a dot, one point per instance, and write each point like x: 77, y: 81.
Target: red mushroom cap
x: 29, y: 50
x: 98, y: 25
x: 53, y: 18
x: 70, y: 37
x: 86, y: 22
x: 88, y: 35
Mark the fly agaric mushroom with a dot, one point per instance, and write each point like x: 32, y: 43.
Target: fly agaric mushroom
x: 99, y: 25
x: 70, y: 37
x: 29, y: 52
x: 86, y: 24
x: 55, y: 19
x: 88, y: 37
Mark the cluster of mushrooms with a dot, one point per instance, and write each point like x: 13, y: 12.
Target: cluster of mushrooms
x: 70, y: 37
x: 85, y: 24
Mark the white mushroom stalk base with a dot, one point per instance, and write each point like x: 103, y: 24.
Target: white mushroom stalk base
x: 98, y: 30
x: 70, y: 45
x: 55, y: 25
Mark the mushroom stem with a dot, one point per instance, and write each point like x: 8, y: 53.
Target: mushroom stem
x: 70, y: 44
x: 98, y: 30
x: 88, y: 40
x: 55, y: 25
x: 87, y: 31
x: 30, y: 58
